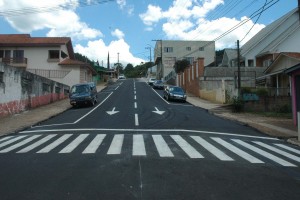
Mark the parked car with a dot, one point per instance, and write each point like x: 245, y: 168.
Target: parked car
x: 83, y: 94
x: 151, y: 81
x: 121, y: 76
x: 174, y: 93
x: 158, y: 84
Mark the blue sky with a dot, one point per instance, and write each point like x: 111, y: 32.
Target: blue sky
x: 127, y: 27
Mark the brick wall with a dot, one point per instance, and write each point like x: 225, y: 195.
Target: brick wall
x: 21, y: 90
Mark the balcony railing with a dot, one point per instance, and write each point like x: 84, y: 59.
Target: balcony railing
x: 15, y: 62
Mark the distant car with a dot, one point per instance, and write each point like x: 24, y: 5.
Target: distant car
x: 158, y: 84
x: 174, y: 93
x: 83, y: 94
x: 151, y: 81
x: 121, y: 76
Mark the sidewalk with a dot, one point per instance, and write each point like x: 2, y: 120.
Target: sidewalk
x: 276, y: 127
x: 19, y: 122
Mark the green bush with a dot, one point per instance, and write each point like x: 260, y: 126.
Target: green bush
x: 237, y: 104
x: 262, y: 92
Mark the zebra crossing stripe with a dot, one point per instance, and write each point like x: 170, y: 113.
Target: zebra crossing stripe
x: 138, y: 147
x: 12, y: 140
x: 36, y: 144
x: 288, y: 148
x: 55, y: 143
x: 74, y: 144
x: 162, y: 147
x: 116, y: 144
x: 212, y: 149
x: 237, y: 151
x: 94, y: 145
x: 291, y: 156
x: 19, y: 144
x: 5, y: 138
x: 264, y: 153
x: 186, y: 147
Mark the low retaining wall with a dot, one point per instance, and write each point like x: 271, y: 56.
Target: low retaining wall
x: 21, y: 90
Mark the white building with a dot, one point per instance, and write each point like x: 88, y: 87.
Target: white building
x: 50, y: 57
x: 167, y: 52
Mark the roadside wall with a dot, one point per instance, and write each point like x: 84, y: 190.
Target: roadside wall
x: 21, y: 90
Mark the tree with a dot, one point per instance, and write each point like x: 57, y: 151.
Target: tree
x: 180, y: 65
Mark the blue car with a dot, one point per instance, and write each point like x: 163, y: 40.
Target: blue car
x: 174, y: 93
x: 83, y: 94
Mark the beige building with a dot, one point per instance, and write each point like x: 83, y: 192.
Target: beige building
x: 167, y: 52
x: 50, y: 57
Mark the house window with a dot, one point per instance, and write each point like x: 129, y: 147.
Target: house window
x: 63, y: 54
x: 46, y: 87
x: 1, y: 53
x: 53, y: 54
x: 168, y: 49
x: 7, y: 54
x: 250, y: 63
x: 190, y: 59
x: 188, y: 48
x: 267, y: 63
x: 201, y: 48
x: 1, y: 77
x: 18, y: 56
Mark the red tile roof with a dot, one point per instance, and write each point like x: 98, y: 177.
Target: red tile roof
x: 68, y: 61
x: 25, y: 40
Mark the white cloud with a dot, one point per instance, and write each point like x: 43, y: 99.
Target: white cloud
x: 60, y: 21
x: 186, y: 20
x: 98, y: 50
x: 117, y: 33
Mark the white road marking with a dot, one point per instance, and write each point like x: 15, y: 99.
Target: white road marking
x: 74, y: 144
x: 288, y: 148
x: 5, y: 138
x: 138, y: 147
x: 264, y: 153
x: 134, y: 97
x: 94, y: 145
x: 135, y: 105
x: 116, y: 144
x: 84, y: 116
x: 291, y: 156
x: 186, y: 147
x: 19, y: 144
x: 212, y: 149
x: 12, y: 140
x: 136, y: 118
x: 36, y: 144
x: 55, y: 143
x: 162, y: 147
x: 237, y: 151
x: 152, y: 130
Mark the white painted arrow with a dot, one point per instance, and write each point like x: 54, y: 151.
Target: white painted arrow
x: 112, y: 112
x: 158, y: 111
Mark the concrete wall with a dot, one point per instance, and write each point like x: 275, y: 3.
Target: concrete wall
x: 21, y: 90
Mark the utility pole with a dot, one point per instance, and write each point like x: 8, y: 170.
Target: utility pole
x: 118, y: 65
x: 150, y: 53
x: 239, y: 68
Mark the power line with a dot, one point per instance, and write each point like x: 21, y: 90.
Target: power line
x: 254, y: 22
x: 49, y: 8
x: 262, y: 9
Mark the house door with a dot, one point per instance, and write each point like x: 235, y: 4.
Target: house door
x: 297, y: 89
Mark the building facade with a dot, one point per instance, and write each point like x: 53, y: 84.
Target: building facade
x: 50, y: 57
x: 167, y: 52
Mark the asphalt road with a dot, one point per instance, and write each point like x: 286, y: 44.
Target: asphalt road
x: 135, y: 145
